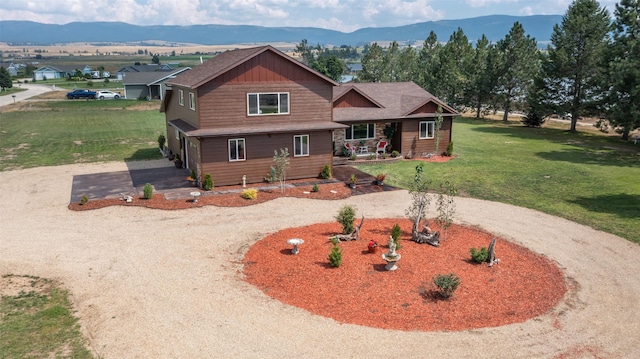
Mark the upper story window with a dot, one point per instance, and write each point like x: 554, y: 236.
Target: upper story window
x: 300, y: 145
x: 181, y: 97
x: 361, y: 131
x: 268, y: 103
x: 236, y: 149
x: 192, y: 101
x: 427, y: 129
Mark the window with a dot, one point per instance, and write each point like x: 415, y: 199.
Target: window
x: 177, y: 134
x: 267, y: 103
x: 236, y: 149
x: 192, y: 101
x: 362, y: 131
x: 181, y: 97
x: 427, y: 129
x: 300, y: 145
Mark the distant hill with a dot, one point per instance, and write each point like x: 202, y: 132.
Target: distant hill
x: 495, y: 27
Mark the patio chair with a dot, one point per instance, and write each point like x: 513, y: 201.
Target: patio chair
x: 382, y: 146
x: 350, y: 149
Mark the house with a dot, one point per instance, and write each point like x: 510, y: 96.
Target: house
x: 403, y: 108
x: 148, y: 84
x: 227, y: 116
x: 59, y: 72
x: 12, y: 68
x: 141, y: 68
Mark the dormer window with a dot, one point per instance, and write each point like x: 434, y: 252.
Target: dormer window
x: 268, y: 103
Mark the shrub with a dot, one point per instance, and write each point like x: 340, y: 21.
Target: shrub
x: 449, y: 151
x: 371, y: 156
x: 384, y: 155
x: 326, y: 172
x: 84, y: 200
x: 208, y: 182
x: 479, y: 255
x: 335, y: 257
x: 193, y: 174
x: 353, y: 179
x: 147, y: 191
x: 345, y: 217
x: 396, y: 232
x: 250, y: 193
x: 446, y: 284
x: 395, y: 154
x: 353, y: 157
x: 315, y: 188
x: 161, y: 141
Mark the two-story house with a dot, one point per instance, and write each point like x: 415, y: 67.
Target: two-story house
x: 227, y: 116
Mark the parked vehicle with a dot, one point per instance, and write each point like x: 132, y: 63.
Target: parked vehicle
x: 81, y: 94
x: 107, y: 95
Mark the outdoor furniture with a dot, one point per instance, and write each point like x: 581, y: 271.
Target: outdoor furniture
x: 350, y: 149
x: 382, y: 146
x: 363, y: 149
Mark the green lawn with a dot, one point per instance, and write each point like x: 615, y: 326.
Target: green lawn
x: 64, y: 132
x: 38, y: 323
x: 585, y: 177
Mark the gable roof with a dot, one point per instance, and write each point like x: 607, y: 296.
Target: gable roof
x: 150, y: 78
x: 145, y: 68
x: 396, y: 100
x: 228, y: 60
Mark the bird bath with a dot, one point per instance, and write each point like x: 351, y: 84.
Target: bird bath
x: 391, y: 257
x: 195, y: 195
x: 295, y: 242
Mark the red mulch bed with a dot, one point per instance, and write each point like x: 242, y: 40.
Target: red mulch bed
x: 158, y: 201
x: 435, y: 158
x: 522, y: 286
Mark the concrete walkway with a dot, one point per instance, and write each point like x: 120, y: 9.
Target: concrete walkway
x: 32, y: 90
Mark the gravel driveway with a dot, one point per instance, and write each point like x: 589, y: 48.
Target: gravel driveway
x: 167, y: 284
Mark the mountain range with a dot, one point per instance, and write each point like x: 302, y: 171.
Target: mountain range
x: 495, y: 27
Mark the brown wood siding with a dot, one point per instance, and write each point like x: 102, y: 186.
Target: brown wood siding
x: 353, y: 99
x: 259, y: 154
x: 410, y: 138
x: 226, y: 105
x: 429, y: 107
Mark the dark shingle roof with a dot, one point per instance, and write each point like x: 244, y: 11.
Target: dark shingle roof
x: 396, y: 100
x: 148, y: 78
x: 226, y: 61
x: 189, y: 130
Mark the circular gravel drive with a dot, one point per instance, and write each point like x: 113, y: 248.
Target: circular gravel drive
x: 166, y: 284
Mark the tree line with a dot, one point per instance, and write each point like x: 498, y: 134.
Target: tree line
x: 590, y: 68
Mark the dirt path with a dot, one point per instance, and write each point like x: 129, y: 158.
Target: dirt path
x: 156, y: 284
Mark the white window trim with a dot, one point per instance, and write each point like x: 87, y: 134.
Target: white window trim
x: 431, y: 124
x: 297, y: 139
x: 181, y: 97
x: 192, y: 101
x: 244, y: 149
x: 361, y: 139
x: 269, y: 93
x: 177, y: 134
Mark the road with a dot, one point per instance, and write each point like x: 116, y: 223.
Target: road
x: 32, y: 90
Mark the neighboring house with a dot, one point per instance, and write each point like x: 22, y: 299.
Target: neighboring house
x: 227, y: 116
x: 100, y: 74
x: 12, y: 69
x: 141, y: 68
x: 59, y: 72
x: 406, y: 107
x: 148, y: 84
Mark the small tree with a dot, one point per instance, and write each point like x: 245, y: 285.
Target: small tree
x: 147, y: 191
x: 335, y: 257
x: 420, y: 199
x: 396, y: 232
x: 207, y: 185
x: 445, y: 206
x: 326, y: 172
x: 279, y: 169
x: 345, y: 217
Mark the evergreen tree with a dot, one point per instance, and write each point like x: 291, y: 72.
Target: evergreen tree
x: 5, y: 79
x: 481, y: 75
x: 575, y: 68
x: 372, y: 64
x: 624, y: 68
x: 427, y: 65
x: 456, y: 56
x: 517, y: 65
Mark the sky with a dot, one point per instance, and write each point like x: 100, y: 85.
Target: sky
x: 341, y: 15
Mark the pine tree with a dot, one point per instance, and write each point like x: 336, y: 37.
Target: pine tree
x: 575, y: 68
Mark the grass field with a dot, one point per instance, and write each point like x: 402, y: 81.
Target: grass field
x: 37, y: 321
x: 64, y: 132
x: 585, y: 177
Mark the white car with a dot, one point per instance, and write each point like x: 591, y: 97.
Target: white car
x: 107, y: 94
